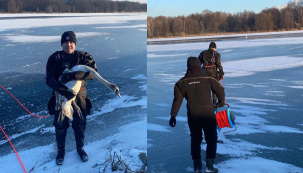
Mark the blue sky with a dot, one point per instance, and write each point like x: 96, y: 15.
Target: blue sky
x: 186, y: 7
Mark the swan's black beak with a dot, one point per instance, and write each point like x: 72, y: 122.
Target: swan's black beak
x: 117, y: 92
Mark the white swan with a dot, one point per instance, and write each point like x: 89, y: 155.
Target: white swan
x: 74, y: 87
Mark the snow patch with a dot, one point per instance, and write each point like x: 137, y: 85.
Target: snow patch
x: 150, y: 55
x: 257, y: 101
x: 119, y: 27
x: 257, y: 164
x: 64, y: 19
x: 157, y: 128
x: 140, y: 76
x: 40, y: 38
x: 247, y: 67
x: 124, y: 102
x: 97, y: 151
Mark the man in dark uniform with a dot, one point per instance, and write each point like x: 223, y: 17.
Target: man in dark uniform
x: 196, y: 87
x: 68, y: 57
x: 211, y: 61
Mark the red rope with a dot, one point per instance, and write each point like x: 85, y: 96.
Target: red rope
x: 26, y: 111
x: 14, y: 149
x: 22, y: 105
x: 222, y: 119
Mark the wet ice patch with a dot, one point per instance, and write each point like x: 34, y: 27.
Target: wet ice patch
x: 14, y: 136
x: 157, y: 128
x: 257, y: 164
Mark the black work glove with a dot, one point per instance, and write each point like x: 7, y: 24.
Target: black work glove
x: 221, y: 104
x: 63, y: 91
x: 68, y: 95
x: 66, y: 77
x: 172, y: 121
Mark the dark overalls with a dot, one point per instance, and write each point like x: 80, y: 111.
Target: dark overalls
x: 211, y: 62
x: 56, y: 64
x: 196, y: 88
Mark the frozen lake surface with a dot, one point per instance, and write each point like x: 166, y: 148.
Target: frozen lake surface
x: 118, y: 44
x: 263, y: 85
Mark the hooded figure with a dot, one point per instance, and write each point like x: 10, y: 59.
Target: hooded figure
x: 196, y: 87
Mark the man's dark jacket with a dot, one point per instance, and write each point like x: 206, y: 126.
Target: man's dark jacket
x: 58, y: 62
x: 210, y: 58
x: 196, y: 87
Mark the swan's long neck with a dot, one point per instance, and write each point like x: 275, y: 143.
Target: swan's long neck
x: 93, y: 71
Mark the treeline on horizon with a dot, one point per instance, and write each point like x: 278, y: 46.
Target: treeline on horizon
x: 208, y: 22
x: 70, y: 6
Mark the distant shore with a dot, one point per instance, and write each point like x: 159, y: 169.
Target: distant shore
x: 221, y: 36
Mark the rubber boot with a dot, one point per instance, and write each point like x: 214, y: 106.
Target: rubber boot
x: 60, y: 138
x: 210, y: 166
x: 79, y: 135
x: 82, y: 154
x: 198, y: 166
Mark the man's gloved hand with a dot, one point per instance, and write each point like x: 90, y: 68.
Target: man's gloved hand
x: 172, y: 122
x: 63, y: 90
x: 66, y: 77
x: 220, y: 104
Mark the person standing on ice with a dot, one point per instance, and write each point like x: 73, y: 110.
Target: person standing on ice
x: 68, y: 57
x: 211, y: 62
x: 196, y: 87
